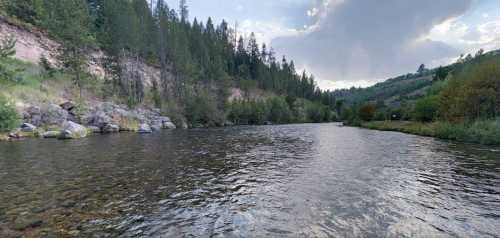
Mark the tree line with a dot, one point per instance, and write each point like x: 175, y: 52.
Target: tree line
x: 463, y: 92
x: 198, y: 61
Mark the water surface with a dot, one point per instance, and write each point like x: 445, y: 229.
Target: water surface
x: 316, y: 180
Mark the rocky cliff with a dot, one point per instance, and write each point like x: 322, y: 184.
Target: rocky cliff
x: 32, y: 45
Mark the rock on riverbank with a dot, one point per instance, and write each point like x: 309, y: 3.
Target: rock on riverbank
x: 71, y: 121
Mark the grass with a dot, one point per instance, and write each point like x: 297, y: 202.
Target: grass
x: 30, y: 85
x: 485, y: 132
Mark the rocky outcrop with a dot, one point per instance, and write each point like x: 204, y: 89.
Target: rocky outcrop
x: 54, y: 115
x: 73, y: 131
x: 102, y: 118
x: 107, y: 113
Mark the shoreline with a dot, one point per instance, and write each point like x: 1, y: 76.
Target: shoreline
x: 480, y: 132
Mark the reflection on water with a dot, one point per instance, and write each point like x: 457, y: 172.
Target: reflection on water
x: 271, y: 181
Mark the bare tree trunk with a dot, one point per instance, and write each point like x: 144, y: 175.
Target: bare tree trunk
x: 163, y: 50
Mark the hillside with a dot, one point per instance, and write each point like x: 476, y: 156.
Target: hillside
x: 460, y: 101
x: 404, y: 89
x: 146, y: 60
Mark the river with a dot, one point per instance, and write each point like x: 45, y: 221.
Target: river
x: 311, y: 180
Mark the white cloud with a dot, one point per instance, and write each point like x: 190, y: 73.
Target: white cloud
x: 266, y: 31
x: 467, y: 36
x: 358, y: 42
x: 313, y: 12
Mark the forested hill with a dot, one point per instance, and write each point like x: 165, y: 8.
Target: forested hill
x: 406, y: 89
x: 199, y: 61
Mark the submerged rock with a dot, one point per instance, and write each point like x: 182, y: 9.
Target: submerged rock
x: 145, y: 129
x: 23, y: 223
x: 73, y: 131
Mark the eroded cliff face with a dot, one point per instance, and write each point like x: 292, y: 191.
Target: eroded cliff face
x: 32, y: 45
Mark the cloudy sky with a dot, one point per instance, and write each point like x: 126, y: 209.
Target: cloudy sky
x: 348, y: 43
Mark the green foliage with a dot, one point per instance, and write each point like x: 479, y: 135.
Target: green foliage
x: 201, y: 110
x: 192, y: 56
x: 278, y: 110
x: 484, y: 132
x: 7, y: 49
x: 441, y: 73
x: 426, y: 108
x: 69, y: 22
x: 473, y: 94
x: 9, y: 118
x: 367, y: 112
x: 437, y: 87
x: 320, y: 113
x: 25, y: 10
x: 155, y: 91
x: 48, y: 69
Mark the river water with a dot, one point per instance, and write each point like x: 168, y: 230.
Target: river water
x: 314, y: 180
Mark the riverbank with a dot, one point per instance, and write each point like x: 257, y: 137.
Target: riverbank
x: 481, y: 132
x: 72, y: 120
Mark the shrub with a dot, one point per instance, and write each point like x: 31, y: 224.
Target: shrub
x: 279, y: 111
x: 201, y: 110
x: 8, y: 115
x: 426, y: 109
x: 367, y: 112
x: 474, y: 94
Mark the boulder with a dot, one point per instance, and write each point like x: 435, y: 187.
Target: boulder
x: 54, y: 115
x: 145, y: 129
x: 98, y: 119
x: 51, y: 134
x: 169, y: 125
x: 68, y: 106
x: 27, y: 127
x: 73, y: 131
x: 72, y: 117
x: 111, y: 128
x: 33, y: 115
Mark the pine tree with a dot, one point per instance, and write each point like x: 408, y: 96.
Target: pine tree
x: 71, y: 26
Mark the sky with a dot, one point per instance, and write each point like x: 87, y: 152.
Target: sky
x: 346, y: 43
